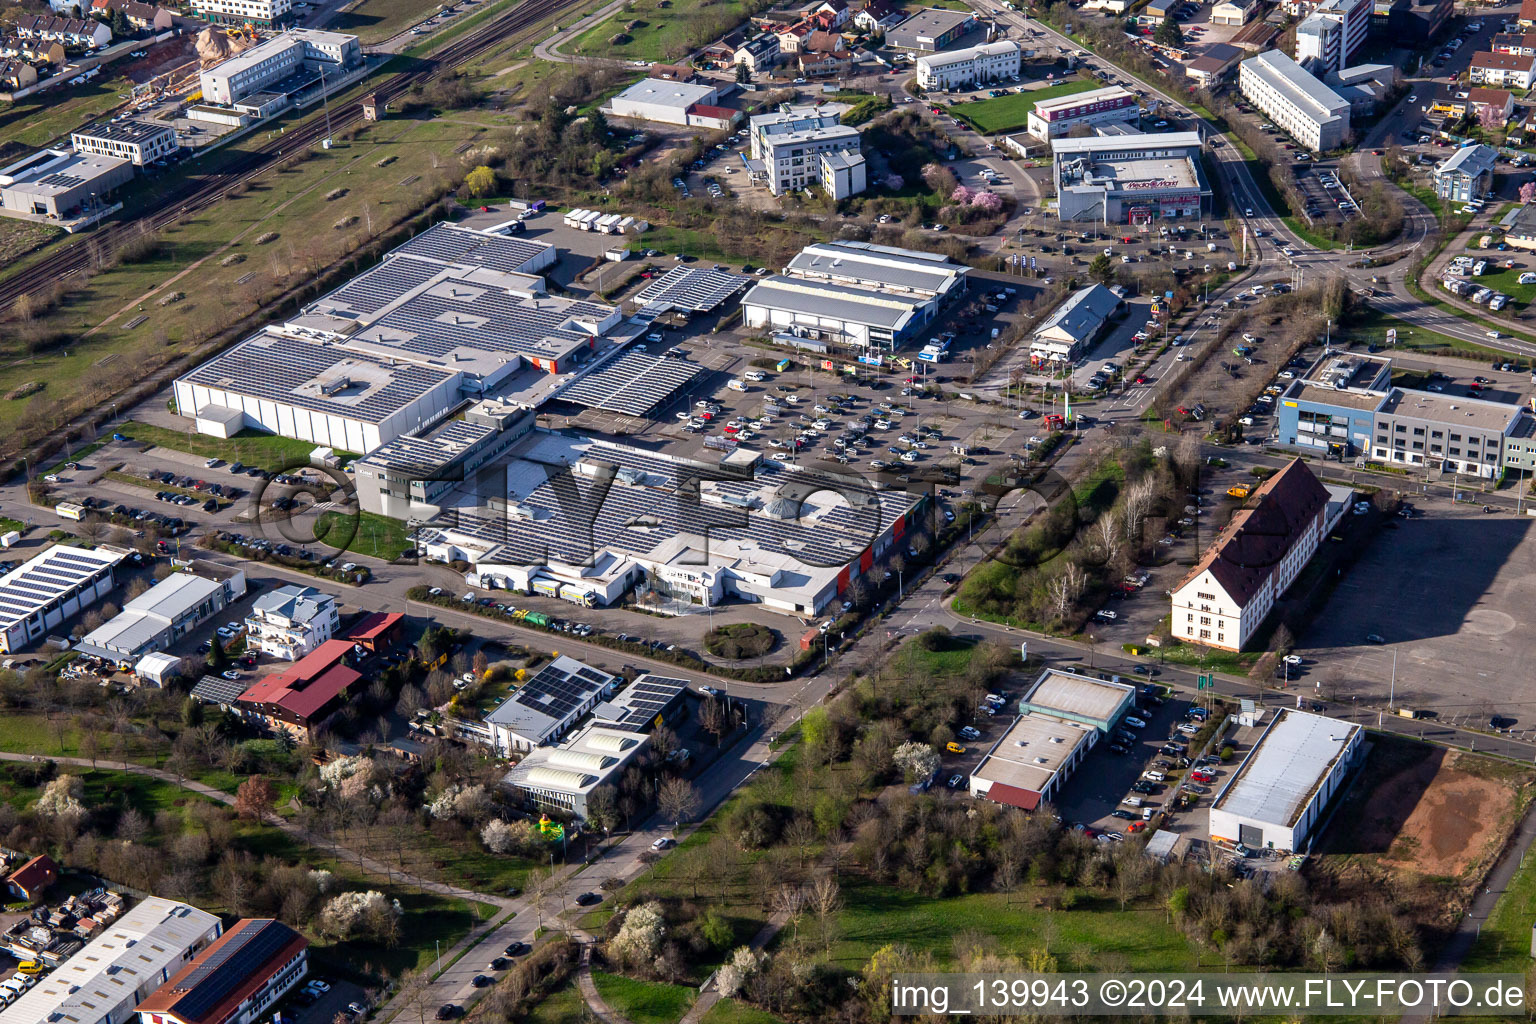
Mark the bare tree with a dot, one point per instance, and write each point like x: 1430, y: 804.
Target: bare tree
x: 678, y: 800
x: 713, y: 718
x: 1138, y: 502
x: 826, y: 900
x: 1109, y: 536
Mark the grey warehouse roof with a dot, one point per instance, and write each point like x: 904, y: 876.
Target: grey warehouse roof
x: 820, y: 298
x: 1280, y: 775
x: 124, y: 131
x: 1285, y: 75
x: 1083, y: 313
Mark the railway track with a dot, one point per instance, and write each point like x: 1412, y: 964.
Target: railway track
x: 69, y: 260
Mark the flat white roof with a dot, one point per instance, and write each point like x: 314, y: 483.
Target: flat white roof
x: 1077, y: 99
x: 1073, y: 694
x: 1279, y: 776
x: 1118, y: 144
x: 1303, y: 91
x: 969, y: 53
x: 666, y: 94
x: 584, y: 761
x: 118, y: 968
x: 1032, y: 751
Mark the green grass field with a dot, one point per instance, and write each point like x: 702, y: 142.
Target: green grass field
x: 644, y: 1002
x: 1093, y: 932
x: 560, y: 1007
x: 1372, y: 330
x: 1504, y: 943
x: 377, y: 536
x: 374, y: 21
x: 729, y: 1011
x: 1508, y: 282
x: 251, y: 447
x: 1012, y: 111
x: 666, y: 29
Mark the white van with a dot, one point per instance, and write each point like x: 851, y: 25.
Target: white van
x: 736, y: 385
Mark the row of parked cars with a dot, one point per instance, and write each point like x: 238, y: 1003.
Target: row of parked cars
x: 25, y: 977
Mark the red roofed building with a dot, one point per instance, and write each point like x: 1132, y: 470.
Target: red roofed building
x: 380, y: 631
x: 301, y: 697
x: 1527, y: 17
x: 706, y: 115
x: 234, y: 980
x: 1224, y: 599
x: 28, y: 881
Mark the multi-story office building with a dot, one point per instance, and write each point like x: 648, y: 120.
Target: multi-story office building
x: 302, y: 54
x: 266, y: 13
x: 138, y: 142
x: 788, y: 145
x: 1053, y: 118
x: 1333, y: 33
x: 1313, y: 114
x: 974, y: 65
x: 1466, y: 174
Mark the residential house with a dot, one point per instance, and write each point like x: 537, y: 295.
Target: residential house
x: 73, y: 33
x: 1527, y: 16
x: 1506, y: 70
x: 28, y: 881
x: 33, y: 51
x: 1522, y: 43
x: 879, y: 16
x: 1467, y: 174
x: 291, y: 621
x: 1214, y: 64
x: 1500, y: 101
x: 143, y: 17
x: 17, y: 74
x: 835, y: 10
x: 758, y: 54
x: 1226, y: 597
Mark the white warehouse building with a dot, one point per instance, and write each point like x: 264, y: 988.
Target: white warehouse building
x: 50, y: 587
x: 988, y: 62
x: 1310, y: 112
x: 105, y: 981
x: 1278, y: 795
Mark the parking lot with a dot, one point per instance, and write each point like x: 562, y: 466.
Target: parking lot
x: 1454, y: 627
x: 1325, y: 193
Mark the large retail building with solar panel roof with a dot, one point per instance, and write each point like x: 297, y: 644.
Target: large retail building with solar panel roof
x: 237, y: 978
x: 1280, y: 793
x: 452, y: 315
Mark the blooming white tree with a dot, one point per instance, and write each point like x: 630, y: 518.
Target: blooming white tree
x: 333, y: 772
x: 323, y: 879
x: 509, y: 837
x: 61, y: 798
x: 916, y: 760
x: 735, y: 973
x: 359, y: 913
x: 639, y: 937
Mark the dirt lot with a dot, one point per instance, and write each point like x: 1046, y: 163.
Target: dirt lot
x: 1423, y: 824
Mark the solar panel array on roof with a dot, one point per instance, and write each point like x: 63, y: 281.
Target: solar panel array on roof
x: 633, y: 385
x: 691, y: 288
x: 382, y: 285
x: 456, y: 314
x: 421, y: 457
x: 556, y: 692
x: 223, y: 970
x: 638, y: 518
x: 643, y: 700
x: 215, y: 690
x: 445, y: 242
x: 62, y: 180
x: 50, y: 576
x: 286, y: 370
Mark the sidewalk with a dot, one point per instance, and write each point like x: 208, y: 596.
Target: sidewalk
x: 549, y: 49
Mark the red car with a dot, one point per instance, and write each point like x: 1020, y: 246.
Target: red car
x: 1202, y: 776
x: 909, y: 380
x: 1141, y: 378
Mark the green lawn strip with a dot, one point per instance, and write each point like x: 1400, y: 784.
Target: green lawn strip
x: 1507, y: 281
x: 1371, y: 329
x: 375, y: 535
x: 1005, y: 113
x: 1216, y: 661
x: 644, y: 1002
x: 563, y: 1006
x: 729, y: 1011
x: 267, y: 451
x: 878, y: 915
x: 25, y: 732
x: 1428, y: 297
x: 1504, y: 942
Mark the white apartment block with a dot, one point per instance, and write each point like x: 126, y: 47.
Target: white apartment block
x: 291, y: 621
x: 266, y: 13
x: 139, y: 142
x: 973, y: 65
x: 1313, y: 114
x: 270, y: 62
x: 1225, y: 598
x: 788, y: 145
x: 1333, y: 33
x: 843, y: 174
